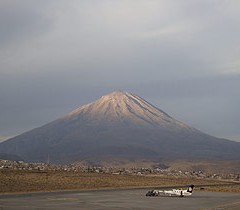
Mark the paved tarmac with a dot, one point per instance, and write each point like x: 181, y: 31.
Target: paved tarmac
x: 119, y: 199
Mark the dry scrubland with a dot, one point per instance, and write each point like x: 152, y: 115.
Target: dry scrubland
x: 24, y: 181
x: 233, y: 188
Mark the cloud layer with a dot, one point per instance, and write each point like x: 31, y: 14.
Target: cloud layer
x: 183, y: 56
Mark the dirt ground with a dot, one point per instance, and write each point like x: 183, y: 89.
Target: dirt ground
x: 12, y: 181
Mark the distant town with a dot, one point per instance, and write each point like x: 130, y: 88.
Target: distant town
x: 43, y: 167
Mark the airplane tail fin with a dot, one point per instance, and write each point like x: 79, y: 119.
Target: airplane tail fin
x: 190, y: 188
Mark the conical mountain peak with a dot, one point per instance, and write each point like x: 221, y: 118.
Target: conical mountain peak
x: 123, y: 108
x: 119, y: 125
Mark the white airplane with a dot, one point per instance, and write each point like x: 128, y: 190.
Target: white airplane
x: 173, y: 192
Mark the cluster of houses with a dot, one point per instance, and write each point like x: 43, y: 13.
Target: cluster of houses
x: 20, y: 165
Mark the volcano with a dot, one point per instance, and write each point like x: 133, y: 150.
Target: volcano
x: 118, y: 125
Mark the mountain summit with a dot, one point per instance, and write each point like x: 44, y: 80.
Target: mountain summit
x: 124, y: 109
x: 118, y: 125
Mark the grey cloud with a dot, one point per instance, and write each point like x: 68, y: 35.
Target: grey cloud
x: 56, y: 55
x: 20, y: 21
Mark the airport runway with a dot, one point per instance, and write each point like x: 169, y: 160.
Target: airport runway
x: 119, y: 199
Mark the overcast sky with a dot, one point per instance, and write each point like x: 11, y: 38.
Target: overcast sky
x: 182, y: 56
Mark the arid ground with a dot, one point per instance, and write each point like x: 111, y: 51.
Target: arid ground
x: 12, y: 181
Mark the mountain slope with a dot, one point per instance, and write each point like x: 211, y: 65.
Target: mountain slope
x: 119, y: 125
x: 124, y: 109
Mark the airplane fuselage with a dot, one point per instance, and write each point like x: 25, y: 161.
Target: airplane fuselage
x: 173, y: 192
x: 176, y: 192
